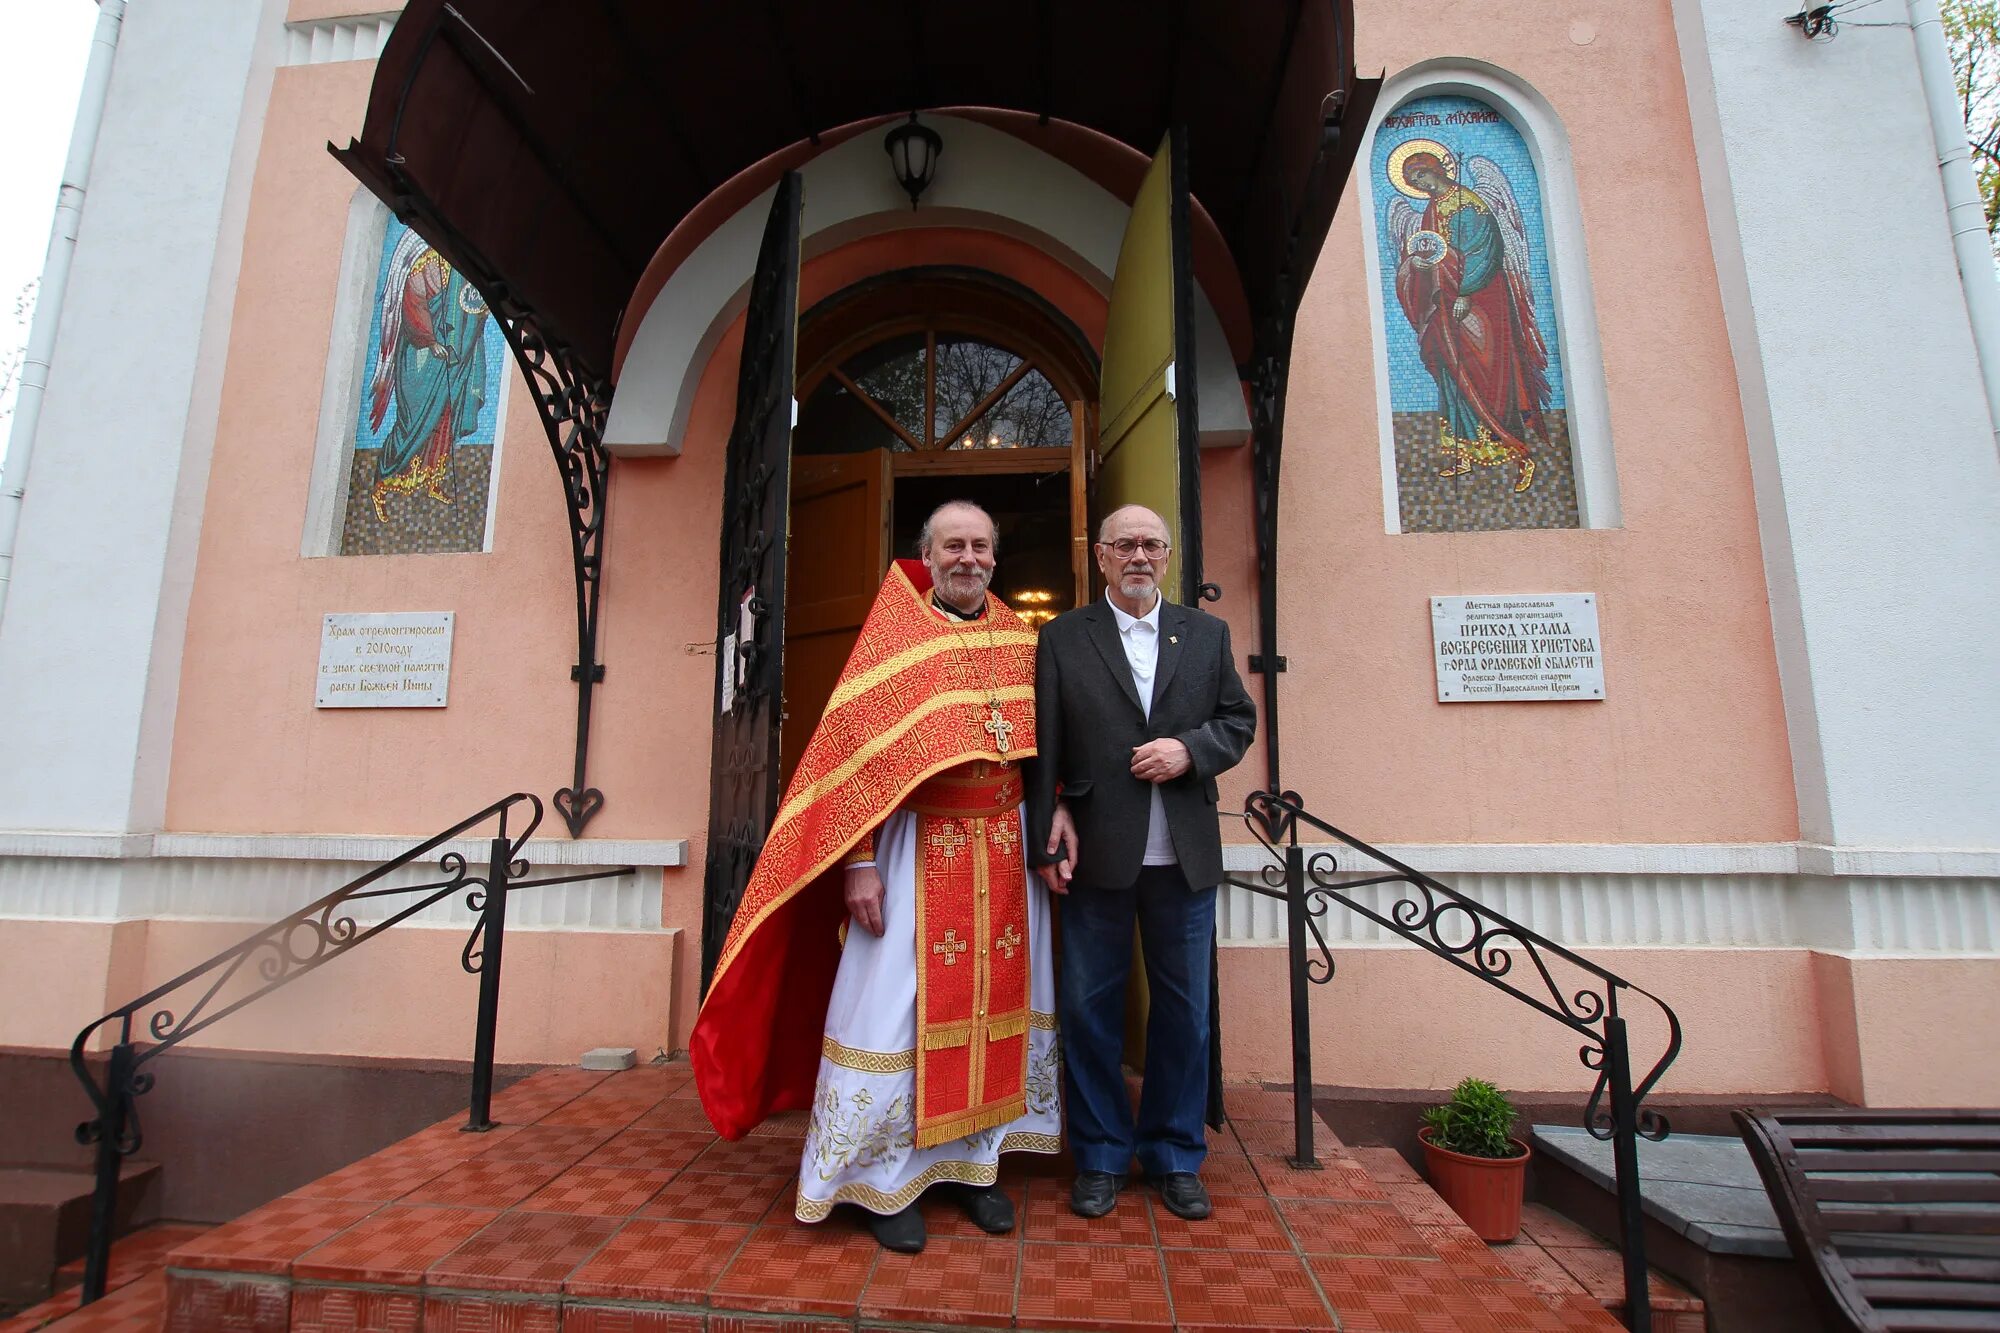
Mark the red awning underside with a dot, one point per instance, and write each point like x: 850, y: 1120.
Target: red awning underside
x: 548, y: 149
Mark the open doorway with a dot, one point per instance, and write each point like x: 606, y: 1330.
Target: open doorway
x: 1034, y: 575
x: 922, y: 387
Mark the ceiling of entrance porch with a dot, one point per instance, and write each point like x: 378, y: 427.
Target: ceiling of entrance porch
x: 548, y: 149
x: 987, y: 180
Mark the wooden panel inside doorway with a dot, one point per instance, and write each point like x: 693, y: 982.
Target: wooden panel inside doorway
x: 839, y: 547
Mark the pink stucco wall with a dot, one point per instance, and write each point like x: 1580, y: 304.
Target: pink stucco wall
x: 1363, y: 739
x: 307, y: 11
x: 401, y: 994
x: 1691, y: 677
x: 1367, y: 744
x: 1878, y: 1031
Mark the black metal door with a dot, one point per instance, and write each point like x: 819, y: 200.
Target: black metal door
x: 750, y: 613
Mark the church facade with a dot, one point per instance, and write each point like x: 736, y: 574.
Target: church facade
x: 1633, y: 537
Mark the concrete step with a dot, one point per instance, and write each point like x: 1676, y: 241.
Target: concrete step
x: 45, y: 1222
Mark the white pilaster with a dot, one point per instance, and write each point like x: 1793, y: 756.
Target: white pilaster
x: 1871, y: 445
x: 90, y: 657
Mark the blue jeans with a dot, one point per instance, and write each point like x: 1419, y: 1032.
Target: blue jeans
x: 1177, y: 934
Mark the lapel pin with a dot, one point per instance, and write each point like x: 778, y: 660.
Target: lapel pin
x: 1173, y: 638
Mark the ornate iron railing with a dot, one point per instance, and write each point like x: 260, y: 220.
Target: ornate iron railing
x: 281, y: 953
x: 1572, y: 990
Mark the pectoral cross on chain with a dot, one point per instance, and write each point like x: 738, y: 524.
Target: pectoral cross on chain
x: 1000, y: 729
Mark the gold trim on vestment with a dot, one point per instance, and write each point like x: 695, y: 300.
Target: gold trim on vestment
x: 963, y: 1173
x: 875, y: 745
x: 901, y: 1062
x: 733, y: 943
x: 971, y: 1122
x: 868, y: 1062
x: 849, y: 691
x: 982, y: 986
x: 976, y: 1030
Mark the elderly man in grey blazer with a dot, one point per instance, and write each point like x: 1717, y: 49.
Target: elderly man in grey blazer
x: 1137, y: 707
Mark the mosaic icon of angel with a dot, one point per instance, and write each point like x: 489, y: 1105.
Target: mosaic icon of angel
x: 431, y: 364
x: 1462, y: 278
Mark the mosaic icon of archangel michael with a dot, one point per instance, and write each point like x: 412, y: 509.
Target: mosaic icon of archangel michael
x: 1463, y: 281
x: 431, y: 364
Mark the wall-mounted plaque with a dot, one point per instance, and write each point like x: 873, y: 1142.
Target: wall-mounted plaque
x: 1517, y: 647
x: 385, y: 659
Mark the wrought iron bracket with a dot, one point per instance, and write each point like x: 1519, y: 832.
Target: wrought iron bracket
x: 1269, y: 376
x: 573, y: 405
x: 573, y: 401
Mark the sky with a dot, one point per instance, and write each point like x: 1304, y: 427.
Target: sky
x: 43, y: 47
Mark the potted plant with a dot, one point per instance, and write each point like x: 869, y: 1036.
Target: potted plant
x: 1475, y: 1163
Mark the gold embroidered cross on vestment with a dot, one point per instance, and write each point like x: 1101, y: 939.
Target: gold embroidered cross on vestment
x: 951, y: 946
x: 950, y: 840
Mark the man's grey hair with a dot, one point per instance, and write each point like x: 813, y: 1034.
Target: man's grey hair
x: 924, y: 533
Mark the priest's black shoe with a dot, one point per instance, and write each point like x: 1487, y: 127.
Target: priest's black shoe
x: 1185, y: 1195
x: 988, y: 1206
x: 902, y: 1232
x: 1095, y: 1193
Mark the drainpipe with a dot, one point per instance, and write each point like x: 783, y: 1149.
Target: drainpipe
x: 1963, y: 206
x: 55, y: 278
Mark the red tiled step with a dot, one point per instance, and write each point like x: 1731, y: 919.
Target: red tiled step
x: 607, y: 1205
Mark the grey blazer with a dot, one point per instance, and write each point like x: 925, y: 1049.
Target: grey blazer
x: 1088, y: 722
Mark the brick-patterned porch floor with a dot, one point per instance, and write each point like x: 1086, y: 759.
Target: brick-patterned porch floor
x: 605, y: 1204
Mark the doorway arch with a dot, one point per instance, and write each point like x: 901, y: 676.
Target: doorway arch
x: 918, y: 386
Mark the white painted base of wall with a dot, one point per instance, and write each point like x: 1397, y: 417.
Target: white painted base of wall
x: 1777, y: 895
x: 231, y: 877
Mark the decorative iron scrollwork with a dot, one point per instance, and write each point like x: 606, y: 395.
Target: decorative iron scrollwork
x: 574, y: 405
x: 573, y: 401
x: 284, y: 951
x: 744, y: 756
x: 1473, y: 937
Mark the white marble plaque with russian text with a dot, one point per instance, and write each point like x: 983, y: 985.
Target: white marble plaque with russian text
x: 1517, y: 647
x: 385, y: 659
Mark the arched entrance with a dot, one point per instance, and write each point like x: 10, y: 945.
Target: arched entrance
x: 508, y: 135
x: 917, y: 387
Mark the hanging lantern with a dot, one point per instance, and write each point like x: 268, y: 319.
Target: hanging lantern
x: 913, y: 152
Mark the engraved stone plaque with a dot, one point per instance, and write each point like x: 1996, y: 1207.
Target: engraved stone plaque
x: 1517, y: 647
x: 385, y: 659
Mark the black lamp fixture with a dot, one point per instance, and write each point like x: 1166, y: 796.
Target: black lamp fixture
x: 913, y: 152
x: 1817, y: 22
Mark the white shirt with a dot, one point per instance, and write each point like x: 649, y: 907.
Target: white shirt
x: 1141, y: 637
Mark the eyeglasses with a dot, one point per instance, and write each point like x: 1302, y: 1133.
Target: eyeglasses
x: 1126, y: 547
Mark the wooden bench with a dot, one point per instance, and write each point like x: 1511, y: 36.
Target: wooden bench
x: 1896, y: 1214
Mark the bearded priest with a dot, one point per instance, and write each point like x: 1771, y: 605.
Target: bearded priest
x: 889, y: 964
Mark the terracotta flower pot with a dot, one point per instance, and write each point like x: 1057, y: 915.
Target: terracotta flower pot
x: 1484, y: 1191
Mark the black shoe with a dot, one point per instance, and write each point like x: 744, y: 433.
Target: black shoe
x: 988, y: 1206
x: 902, y: 1232
x: 1095, y: 1193
x: 1185, y: 1195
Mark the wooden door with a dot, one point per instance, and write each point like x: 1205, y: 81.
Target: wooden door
x: 839, y: 549
x: 750, y: 615
x: 1148, y: 445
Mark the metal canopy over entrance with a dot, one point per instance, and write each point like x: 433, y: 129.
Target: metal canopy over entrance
x: 547, y: 151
